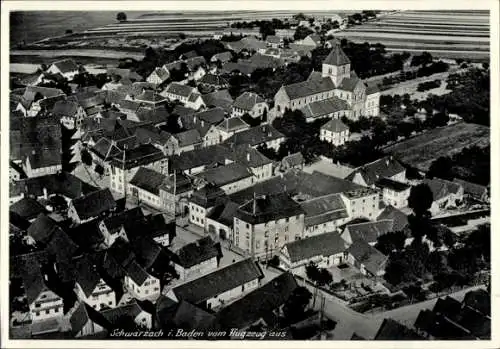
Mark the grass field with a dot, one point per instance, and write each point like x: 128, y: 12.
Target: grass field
x: 422, y: 150
x: 446, y: 34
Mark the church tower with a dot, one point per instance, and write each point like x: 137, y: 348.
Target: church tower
x: 337, y: 65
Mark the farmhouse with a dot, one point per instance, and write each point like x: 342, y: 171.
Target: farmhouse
x: 445, y: 194
x: 158, y: 76
x: 42, y: 163
x: 368, y: 232
x: 230, y: 178
x: 258, y: 135
x: 92, y: 205
x: 197, y: 258
x: 336, y: 79
x: 223, y: 285
x: 145, y: 186
x: 366, y: 258
x: 325, y: 250
x: 250, y: 103
x: 386, y: 167
x: 70, y: 113
x: 473, y: 190
x: 324, y: 214
x: 30, y: 102
x: 66, y: 67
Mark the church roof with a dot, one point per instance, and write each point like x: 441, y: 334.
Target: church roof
x: 337, y: 57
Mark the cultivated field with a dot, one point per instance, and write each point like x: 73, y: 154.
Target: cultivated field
x: 449, y: 34
x: 422, y: 150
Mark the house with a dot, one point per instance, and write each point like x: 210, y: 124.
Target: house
x: 140, y: 284
x: 230, y: 178
x: 325, y: 250
x: 261, y: 306
x: 184, y: 315
x: 66, y: 67
x: 392, y: 330
x: 41, y: 163
x: 222, y: 57
x: 230, y: 126
x: 44, y: 304
x: 313, y: 40
x: 193, y: 162
x: 394, y: 193
x: 184, y: 141
x: 145, y: 186
x: 92, y: 205
x: 213, y: 290
x: 70, y: 113
x: 336, y: 79
x: 196, y: 258
x: 219, y: 98
x: 205, y: 123
x: 213, y: 81
x: 30, y: 100
x: 89, y: 285
x: 260, y: 166
x: 438, y: 326
x: 250, y: 103
x: 324, y: 214
x: 175, y: 192
x: 27, y: 208
x: 274, y: 41
x: 366, y: 258
x: 158, y: 76
x: 265, y: 224
x: 386, y: 167
x: 176, y: 91
x: 112, y: 227
x: 257, y: 136
x: 445, y: 194
x: 399, y: 219
x: 361, y: 202
x: 218, y: 35
x: 473, y: 190
x: 81, y: 321
x: 239, y: 68
x: 368, y: 232
x: 219, y: 223
x: 202, y: 202
x: 123, y: 166
x: 132, y: 311
x: 159, y: 230
x: 334, y: 132
x: 333, y: 108
x: 292, y: 161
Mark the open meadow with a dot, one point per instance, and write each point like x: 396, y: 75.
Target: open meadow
x: 447, y: 34
x: 420, y: 151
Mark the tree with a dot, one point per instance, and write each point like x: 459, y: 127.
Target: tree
x: 69, y: 31
x: 392, y: 241
x: 301, y: 33
x: 441, y: 168
x: 320, y: 276
x: 266, y: 29
x: 182, y: 36
x: 58, y: 203
x: 295, y: 306
x: 420, y: 199
x: 86, y: 157
x: 121, y: 17
x: 299, y: 17
x: 99, y: 169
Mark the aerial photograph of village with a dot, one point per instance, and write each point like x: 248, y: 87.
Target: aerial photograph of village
x: 249, y: 175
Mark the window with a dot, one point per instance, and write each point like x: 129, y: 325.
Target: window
x: 47, y: 311
x: 286, y: 220
x: 56, y: 310
x: 248, y: 226
x: 146, y: 292
x: 266, y: 234
x: 286, y: 228
x: 156, y: 288
x: 37, y: 313
x: 110, y: 303
x: 37, y: 305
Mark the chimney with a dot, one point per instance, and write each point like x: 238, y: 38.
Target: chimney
x: 45, y: 194
x: 33, y: 152
x: 202, y: 123
x: 195, y: 119
x: 248, y: 157
x: 254, y: 207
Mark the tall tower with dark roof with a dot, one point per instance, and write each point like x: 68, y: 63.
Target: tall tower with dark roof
x: 337, y: 65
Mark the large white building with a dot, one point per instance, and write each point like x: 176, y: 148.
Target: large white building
x: 336, y: 80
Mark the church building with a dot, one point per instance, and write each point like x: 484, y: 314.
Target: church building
x: 335, y: 82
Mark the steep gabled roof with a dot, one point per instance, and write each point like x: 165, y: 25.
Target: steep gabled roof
x: 27, y: 208
x: 399, y: 219
x: 66, y: 66
x: 370, y: 231
x: 336, y: 57
x: 94, y: 204
x: 223, y: 175
x: 187, y: 138
x: 384, y: 167
x: 247, y: 100
x: 196, y: 252
x: 324, y: 245
x: 335, y: 125
x: 258, y: 303
x: 220, y: 281
x: 255, y: 136
x: 308, y: 88
x: 442, y: 188
x: 147, y: 179
x: 179, y: 89
x: 269, y: 208
x: 87, y: 275
x: 324, y: 107
x: 42, y: 228
x: 369, y: 256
